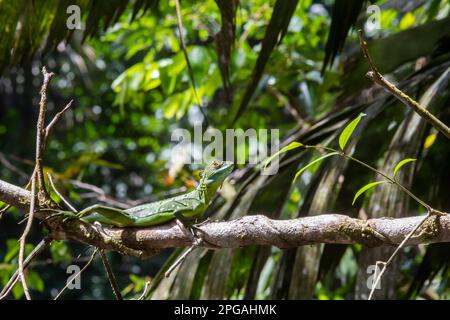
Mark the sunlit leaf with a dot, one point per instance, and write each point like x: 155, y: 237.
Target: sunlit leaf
x: 429, y: 141
x: 290, y: 146
x: 348, y: 131
x: 365, y: 188
x: 402, y: 163
x: 407, y: 21
x: 12, y: 249
x: 312, y: 163
x: 35, y: 281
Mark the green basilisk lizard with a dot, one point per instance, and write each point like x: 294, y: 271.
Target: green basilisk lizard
x: 185, y: 207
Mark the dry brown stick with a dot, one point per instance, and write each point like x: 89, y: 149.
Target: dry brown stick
x: 78, y: 273
x: 108, y: 269
x: 111, y: 277
x: 55, y: 120
x: 40, y: 135
x: 394, y: 254
x: 23, y: 238
x: 47, y: 134
x: 144, y: 293
x: 378, y: 78
x: 37, y: 175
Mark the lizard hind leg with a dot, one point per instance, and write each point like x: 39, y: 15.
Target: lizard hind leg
x: 106, y: 215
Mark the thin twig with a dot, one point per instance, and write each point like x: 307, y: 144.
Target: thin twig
x: 394, y: 254
x: 109, y: 272
x: 111, y: 277
x: 378, y: 78
x: 40, y: 135
x: 37, y: 175
x: 101, y: 195
x: 55, y: 119
x: 180, y: 260
x: 77, y: 274
x: 67, y: 203
x: 41, y: 246
x: 146, y: 289
x: 22, y: 240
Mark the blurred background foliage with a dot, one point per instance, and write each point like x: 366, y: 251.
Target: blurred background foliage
x: 256, y: 64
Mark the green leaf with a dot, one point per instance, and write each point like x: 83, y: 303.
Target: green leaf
x: 346, y: 134
x: 290, y: 146
x: 402, y: 163
x: 365, y: 188
x: 35, y: 281
x: 312, y: 163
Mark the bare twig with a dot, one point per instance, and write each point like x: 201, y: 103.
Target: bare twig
x: 108, y: 269
x: 67, y: 203
x: 395, y: 253
x: 378, y: 78
x: 78, y: 273
x: 181, y: 259
x: 101, y: 195
x: 55, y: 120
x: 40, y: 135
x: 144, y: 293
x: 22, y: 240
x: 111, y: 277
x: 37, y: 175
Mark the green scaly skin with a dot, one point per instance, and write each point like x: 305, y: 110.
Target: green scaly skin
x: 190, y: 206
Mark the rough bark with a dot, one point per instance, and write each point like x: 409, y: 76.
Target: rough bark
x: 248, y: 230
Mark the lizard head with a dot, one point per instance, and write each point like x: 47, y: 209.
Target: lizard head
x: 216, y: 172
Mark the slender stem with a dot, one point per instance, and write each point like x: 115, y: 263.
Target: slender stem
x: 384, y: 175
x: 77, y: 274
x: 378, y: 78
x: 394, y: 254
x: 146, y: 289
x: 111, y: 277
x: 23, y: 238
x: 391, y: 180
x: 430, y: 210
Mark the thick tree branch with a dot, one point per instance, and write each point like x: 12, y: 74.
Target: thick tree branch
x: 14, y: 195
x: 249, y: 230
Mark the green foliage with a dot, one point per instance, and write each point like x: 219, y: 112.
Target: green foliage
x: 312, y: 163
x: 401, y: 164
x: 365, y: 188
x: 291, y: 146
x: 348, y: 131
